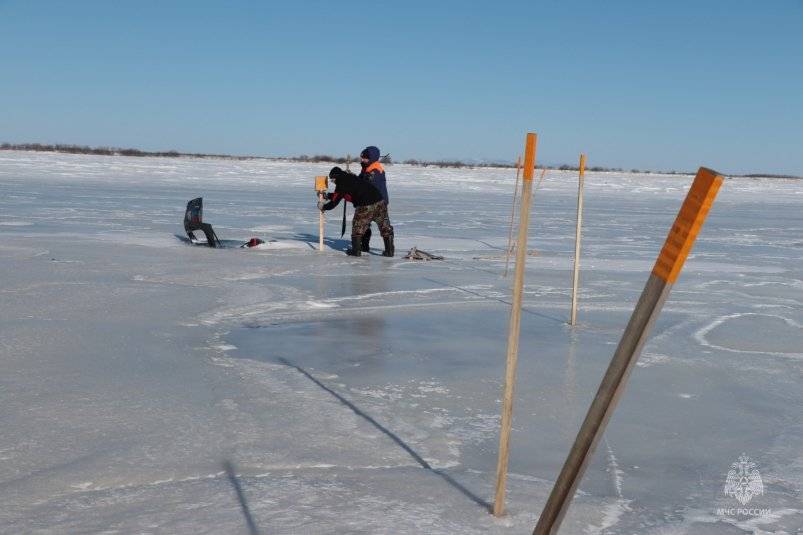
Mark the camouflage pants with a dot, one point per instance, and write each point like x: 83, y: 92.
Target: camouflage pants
x: 363, y: 215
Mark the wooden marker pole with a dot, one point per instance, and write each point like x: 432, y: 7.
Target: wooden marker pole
x: 321, y: 187
x: 348, y: 161
x: 515, y: 323
x: 667, y: 268
x: 512, y: 216
x: 320, y: 227
x: 576, y: 276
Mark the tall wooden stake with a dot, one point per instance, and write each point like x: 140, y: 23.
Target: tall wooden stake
x: 321, y: 187
x: 576, y: 276
x: 320, y: 227
x: 512, y: 216
x: 667, y: 268
x: 515, y: 323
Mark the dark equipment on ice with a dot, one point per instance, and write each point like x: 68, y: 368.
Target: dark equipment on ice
x: 193, y: 220
x: 418, y: 254
x: 253, y: 242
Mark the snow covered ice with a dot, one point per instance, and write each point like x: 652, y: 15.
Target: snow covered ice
x: 362, y: 395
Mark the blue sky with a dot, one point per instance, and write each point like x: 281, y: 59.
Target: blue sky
x: 648, y: 85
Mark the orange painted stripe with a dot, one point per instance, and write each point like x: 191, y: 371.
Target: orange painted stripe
x: 687, y: 225
x: 582, y: 164
x: 529, y: 156
x: 321, y: 183
x: 374, y: 166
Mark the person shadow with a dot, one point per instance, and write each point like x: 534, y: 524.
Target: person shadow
x: 338, y: 244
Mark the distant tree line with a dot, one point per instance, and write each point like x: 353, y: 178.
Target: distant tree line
x: 113, y: 151
x: 320, y: 158
x: 458, y: 164
x: 767, y: 175
x: 563, y: 167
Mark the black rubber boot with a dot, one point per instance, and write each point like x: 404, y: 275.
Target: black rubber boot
x: 355, y: 246
x: 390, y: 250
x: 366, y: 240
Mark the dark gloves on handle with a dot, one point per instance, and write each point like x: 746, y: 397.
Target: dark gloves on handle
x: 337, y: 172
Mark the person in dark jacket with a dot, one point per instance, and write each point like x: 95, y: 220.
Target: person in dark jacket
x: 373, y: 172
x: 368, y: 206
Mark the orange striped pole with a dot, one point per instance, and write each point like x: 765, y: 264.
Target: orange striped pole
x: 667, y: 268
x: 576, y: 275
x: 515, y: 325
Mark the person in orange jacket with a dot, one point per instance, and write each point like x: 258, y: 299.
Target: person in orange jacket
x: 373, y: 172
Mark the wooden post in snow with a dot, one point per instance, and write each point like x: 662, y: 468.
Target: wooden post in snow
x: 667, y: 268
x: 321, y: 187
x: 320, y: 228
x: 515, y: 323
x: 512, y: 216
x: 576, y: 276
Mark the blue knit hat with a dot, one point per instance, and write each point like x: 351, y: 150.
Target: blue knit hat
x: 372, y: 153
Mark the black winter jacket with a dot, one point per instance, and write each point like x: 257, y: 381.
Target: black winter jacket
x: 358, y: 191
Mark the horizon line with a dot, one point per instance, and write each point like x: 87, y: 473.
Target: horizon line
x: 67, y: 148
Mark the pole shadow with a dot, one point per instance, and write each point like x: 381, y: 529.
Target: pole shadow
x: 395, y: 438
x: 228, y: 466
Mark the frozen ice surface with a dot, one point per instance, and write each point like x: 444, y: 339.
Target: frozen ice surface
x: 361, y: 395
